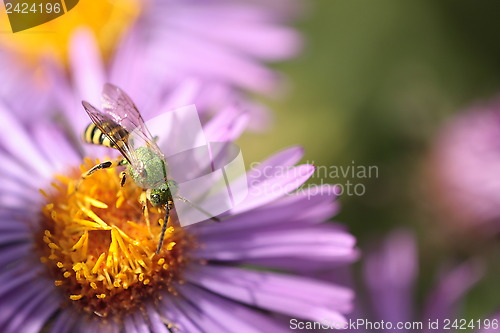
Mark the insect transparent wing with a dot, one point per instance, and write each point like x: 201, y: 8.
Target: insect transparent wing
x: 112, y: 130
x: 119, y: 106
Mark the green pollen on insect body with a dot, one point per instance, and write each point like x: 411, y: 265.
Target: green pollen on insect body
x: 154, y: 167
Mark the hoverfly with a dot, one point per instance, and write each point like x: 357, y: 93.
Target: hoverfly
x: 120, y: 125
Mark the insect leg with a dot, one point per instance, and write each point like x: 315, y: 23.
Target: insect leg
x: 123, y: 176
x: 168, y: 207
x: 192, y: 205
x: 104, y: 165
x: 144, y: 202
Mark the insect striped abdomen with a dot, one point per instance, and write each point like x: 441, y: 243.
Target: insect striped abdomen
x: 94, y: 135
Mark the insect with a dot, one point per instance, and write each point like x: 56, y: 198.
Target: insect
x: 120, y: 125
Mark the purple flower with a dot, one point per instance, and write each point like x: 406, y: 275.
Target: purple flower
x: 85, y: 260
x: 390, y: 273
x: 225, y: 42
x: 20, y: 88
x: 89, y: 73
x: 218, y: 48
x: 464, y: 168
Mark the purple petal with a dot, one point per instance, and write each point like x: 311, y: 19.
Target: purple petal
x: 157, y: 323
x: 15, y: 171
x: 87, y: 66
x: 128, y: 56
x: 226, y: 66
x: 180, y: 320
x: 185, y: 93
x: 34, y: 316
x: 14, y: 237
x: 19, y: 216
x: 273, y: 188
x: 11, y: 223
x: 65, y: 322
x: 291, y: 295
x: 203, y: 321
x: 227, y: 125
x: 257, y: 40
x: 198, y: 12
x: 389, y: 274
x: 238, y: 317
x: 140, y: 323
x: 97, y: 325
x: 65, y: 97
x: 56, y: 147
x: 302, y: 264
x: 15, y: 277
x: 315, y: 208
x: 17, y: 300
x: 319, y: 242
x: 13, y: 194
x: 14, y: 252
x: 277, y: 162
x: 19, y: 144
x: 129, y: 325
x: 261, y: 118
x: 443, y: 302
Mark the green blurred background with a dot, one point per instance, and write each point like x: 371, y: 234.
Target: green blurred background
x: 375, y: 82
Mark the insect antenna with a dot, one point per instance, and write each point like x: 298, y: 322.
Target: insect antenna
x: 192, y: 205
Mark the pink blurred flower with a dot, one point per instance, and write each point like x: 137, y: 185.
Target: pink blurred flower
x: 464, y: 171
x: 390, y: 273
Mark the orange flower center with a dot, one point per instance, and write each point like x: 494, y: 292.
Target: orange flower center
x: 99, y: 241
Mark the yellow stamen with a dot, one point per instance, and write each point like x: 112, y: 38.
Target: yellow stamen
x: 101, y: 254
x: 96, y: 203
x: 80, y: 242
x: 119, y: 201
x: 92, y: 215
x: 54, y: 246
x: 98, y: 263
